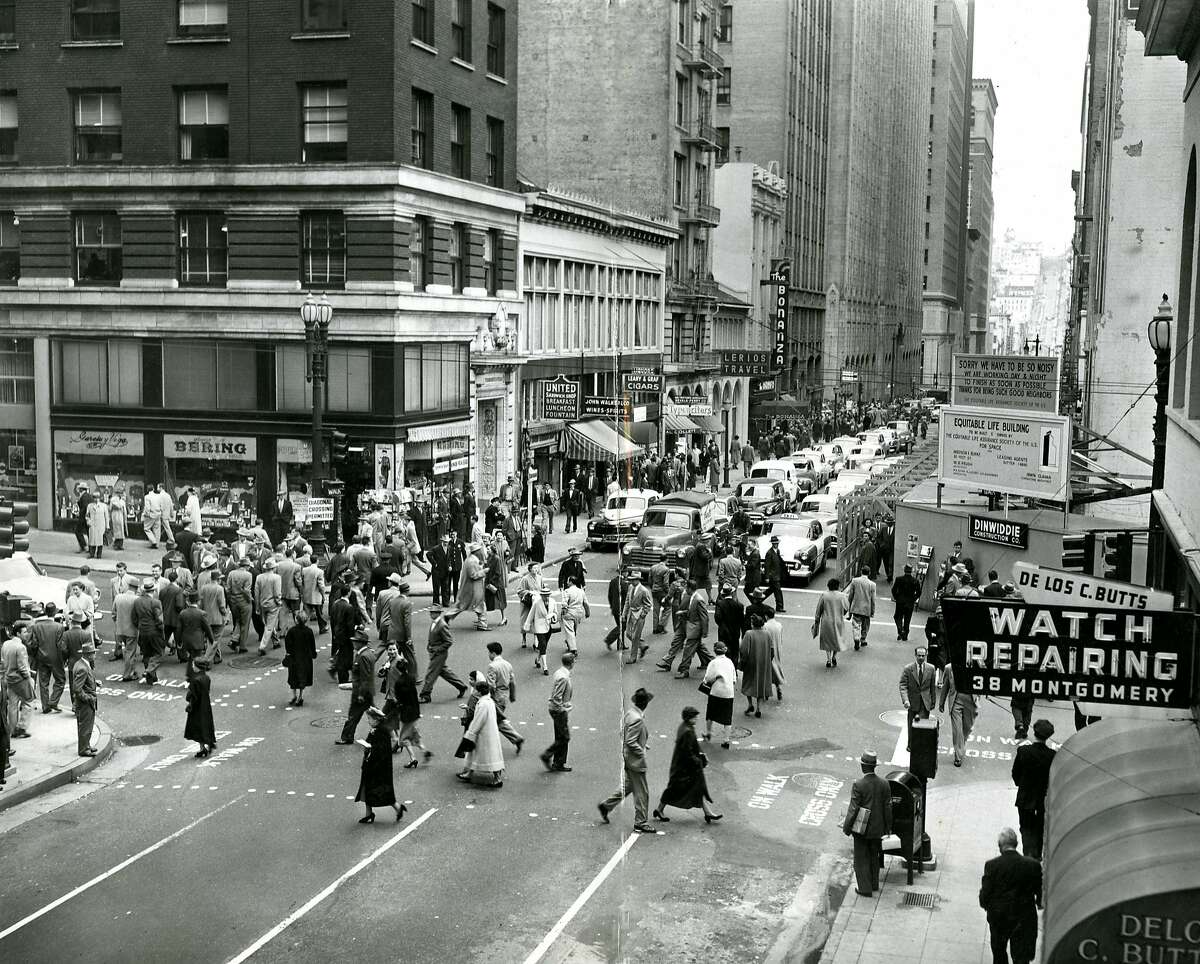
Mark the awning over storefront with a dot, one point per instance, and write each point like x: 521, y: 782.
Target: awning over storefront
x: 427, y: 433
x: 644, y: 433
x: 596, y: 441
x: 708, y: 423
x: 681, y: 425
x: 1122, y: 845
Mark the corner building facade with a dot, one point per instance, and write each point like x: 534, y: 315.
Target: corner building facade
x: 173, y: 189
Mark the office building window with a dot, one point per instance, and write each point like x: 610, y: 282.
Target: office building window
x: 679, y: 188
x: 8, y: 126
x: 460, y: 30
x: 323, y: 249
x: 422, y: 128
x: 681, y: 100
x: 322, y: 15
x: 95, y: 19
x: 204, y: 124
x: 8, y: 21
x: 724, y: 84
x: 10, y: 248
x: 435, y: 378
x: 726, y: 23
x: 491, y: 261
x: 98, y: 126
x: 418, y: 253
x: 199, y: 18
x: 98, y: 248
x: 203, y: 249
x: 325, y: 123
x: 16, y: 376
x: 495, y: 152
x: 460, y: 141
x: 422, y: 16
x: 722, y: 145
x: 458, y: 257
x: 495, y: 44
x: 681, y: 21
x: 206, y: 375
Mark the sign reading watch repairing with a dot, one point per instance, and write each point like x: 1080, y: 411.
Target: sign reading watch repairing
x: 1102, y: 655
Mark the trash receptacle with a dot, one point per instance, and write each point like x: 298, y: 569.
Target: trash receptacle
x: 908, y: 816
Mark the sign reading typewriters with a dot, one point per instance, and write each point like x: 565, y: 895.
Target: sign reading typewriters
x: 1102, y: 655
x: 560, y: 399
x: 1000, y: 532
x: 1026, y: 383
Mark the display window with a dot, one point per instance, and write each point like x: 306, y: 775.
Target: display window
x: 293, y: 458
x: 103, y: 461
x: 18, y: 465
x: 222, y: 471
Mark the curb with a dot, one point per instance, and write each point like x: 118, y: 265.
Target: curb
x: 63, y: 775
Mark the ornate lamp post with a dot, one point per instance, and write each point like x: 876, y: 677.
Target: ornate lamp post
x: 316, y: 315
x: 1159, y: 334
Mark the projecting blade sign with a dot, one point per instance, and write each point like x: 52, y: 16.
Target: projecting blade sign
x: 1103, y: 655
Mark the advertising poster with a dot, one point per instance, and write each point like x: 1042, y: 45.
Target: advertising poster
x: 385, y: 466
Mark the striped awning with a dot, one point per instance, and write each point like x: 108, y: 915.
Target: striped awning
x: 596, y: 441
x: 708, y: 423
x: 680, y: 424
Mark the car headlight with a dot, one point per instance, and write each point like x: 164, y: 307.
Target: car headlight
x: 591, y: 526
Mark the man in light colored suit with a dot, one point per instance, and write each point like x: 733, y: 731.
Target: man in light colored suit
x: 288, y: 571
x: 312, y: 592
x: 268, y: 596
x: 634, y: 737
x: 917, y: 689
x: 861, y: 593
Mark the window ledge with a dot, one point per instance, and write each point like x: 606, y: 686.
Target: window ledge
x: 70, y: 44
x: 221, y: 39
x: 497, y: 78
x: 428, y: 48
x: 323, y: 35
x: 10, y: 45
x: 462, y: 63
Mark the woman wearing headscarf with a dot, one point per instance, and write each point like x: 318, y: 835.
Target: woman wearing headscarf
x: 496, y: 584
x: 721, y: 678
x: 686, y: 786
x: 756, y: 665
x: 829, y: 621
x: 199, y: 726
x: 375, y: 786
x: 300, y: 645
x: 529, y: 586
x: 408, y: 710
x: 538, y: 623
x: 486, y: 756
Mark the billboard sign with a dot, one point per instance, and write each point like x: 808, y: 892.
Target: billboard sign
x: 1003, y: 451
x: 1026, y: 383
x: 780, y: 280
x: 737, y: 362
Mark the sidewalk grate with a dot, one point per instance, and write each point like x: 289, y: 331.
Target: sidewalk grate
x: 917, y: 900
x: 142, y: 739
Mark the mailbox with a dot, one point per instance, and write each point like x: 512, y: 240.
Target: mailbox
x: 908, y: 816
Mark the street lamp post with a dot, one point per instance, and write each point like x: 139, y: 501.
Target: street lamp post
x: 1159, y: 334
x: 316, y: 315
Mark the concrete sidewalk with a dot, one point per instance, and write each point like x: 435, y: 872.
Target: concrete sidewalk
x: 49, y: 759
x: 951, y: 928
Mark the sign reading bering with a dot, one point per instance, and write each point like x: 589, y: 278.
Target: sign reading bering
x: 1101, y: 655
x: 210, y: 447
x: 781, y: 279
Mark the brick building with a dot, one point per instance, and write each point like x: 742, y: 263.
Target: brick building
x: 179, y: 174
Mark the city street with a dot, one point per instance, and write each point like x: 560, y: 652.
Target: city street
x: 256, y: 853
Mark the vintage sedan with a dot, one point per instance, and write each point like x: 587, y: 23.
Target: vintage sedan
x: 21, y: 576
x: 761, y: 498
x: 621, y: 517
x: 803, y: 543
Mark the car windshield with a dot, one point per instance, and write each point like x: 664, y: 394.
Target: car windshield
x: 627, y: 502
x: 767, y: 474
x: 813, y: 505
x: 794, y: 530
x: 17, y: 569
x: 757, y: 491
x: 668, y: 519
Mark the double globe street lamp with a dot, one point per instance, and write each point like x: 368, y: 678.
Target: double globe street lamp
x: 317, y: 313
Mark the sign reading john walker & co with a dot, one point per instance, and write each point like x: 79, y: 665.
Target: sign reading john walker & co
x: 1103, y: 655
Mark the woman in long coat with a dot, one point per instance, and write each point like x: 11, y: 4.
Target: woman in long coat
x: 686, y: 787
x: 470, y: 590
x: 97, y: 526
x: 829, y: 621
x: 496, y: 585
x: 529, y: 586
x: 731, y: 620
x: 755, y: 664
x: 301, y: 647
x: 774, y: 628
x: 199, y: 726
x: 538, y: 623
x: 408, y: 708
x: 488, y: 756
x: 118, y: 523
x: 375, y: 786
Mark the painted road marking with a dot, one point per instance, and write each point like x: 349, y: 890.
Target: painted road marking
x: 41, y: 912
x: 822, y: 801
x: 309, y: 905
x: 767, y: 791
x: 556, y: 931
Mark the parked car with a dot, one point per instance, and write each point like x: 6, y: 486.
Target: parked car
x: 669, y: 526
x: 761, y: 498
x: 821, y: 466
x: 20, y: 575
x: 784, y: 471
x: 620, y: 518
x: 904, y: 433
x: 935, y: 414
x: 803, y: 543
x: 846, y: 483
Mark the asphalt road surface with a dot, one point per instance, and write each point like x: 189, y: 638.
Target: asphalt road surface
x: 255, y: 853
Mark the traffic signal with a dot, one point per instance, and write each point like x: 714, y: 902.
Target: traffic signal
x: 1118, y: 556
x: 14, y: 527
x: 339, y: 448
x: 1076, y: 550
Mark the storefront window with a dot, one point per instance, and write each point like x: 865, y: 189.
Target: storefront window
x: 205, y: 375
x: 294, y: 459
x: 222, y: 471
x: 18, y: 465
x: 103, y: 461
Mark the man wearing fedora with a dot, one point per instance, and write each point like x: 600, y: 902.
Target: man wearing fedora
x: 268, y: 596
x: 399, y: 623
x: 637, y: 606
x: 84, y: 699
x: 438, y: 647
x: 634, y: 737
x: 773, y: 570
x: 572, y: 567
x: 868, y: 820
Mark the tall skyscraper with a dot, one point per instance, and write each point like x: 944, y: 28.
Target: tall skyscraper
x: 879, y: 78
x: 945, y: 268
x: 982, y: 124
x: 772, y: 108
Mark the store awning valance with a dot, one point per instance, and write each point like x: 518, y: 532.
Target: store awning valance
x: 644, y: 433
x: 680, y: 424
x: 708, y: 423
x: 596, y: 441
x: 1122, y: 838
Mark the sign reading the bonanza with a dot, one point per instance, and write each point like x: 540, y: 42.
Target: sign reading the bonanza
x: 560, y: 399
x: 781, y: 280
x: 737, y: 362
x: 1001, y: 532
x: 1028, y: 383
x: 643, y: 380
x: 1103, y: 655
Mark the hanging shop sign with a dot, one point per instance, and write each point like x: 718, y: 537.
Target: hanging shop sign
x: 1017, y: 382
x: 450, y: 446
x: 217, y: 447
x: 781, y: 281
x: 1102, y: 655
x: 644, y: 379
x: 737, y: 362
x: 293, y: 451
x: 762, y: 388
x: 999, y: 532
x: 608, y: 406
x: 88, y: 441
x: 687, y: 408
x: 1043, y: 586
x: 1006, y: 452
x: 560, y: 399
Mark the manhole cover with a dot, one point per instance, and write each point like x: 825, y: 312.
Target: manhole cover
x: 142, y: 739
x: 894, y: 717
x: 328, y: 721
x: 740, y: 732
x: 917, y: 900
x: 253, y: 661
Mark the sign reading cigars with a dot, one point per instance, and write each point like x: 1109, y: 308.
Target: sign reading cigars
x: 1102, y: 655
x: 644, y: 379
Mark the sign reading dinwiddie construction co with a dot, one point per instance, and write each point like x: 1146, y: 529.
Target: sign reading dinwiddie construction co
x: 1102, y: 655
